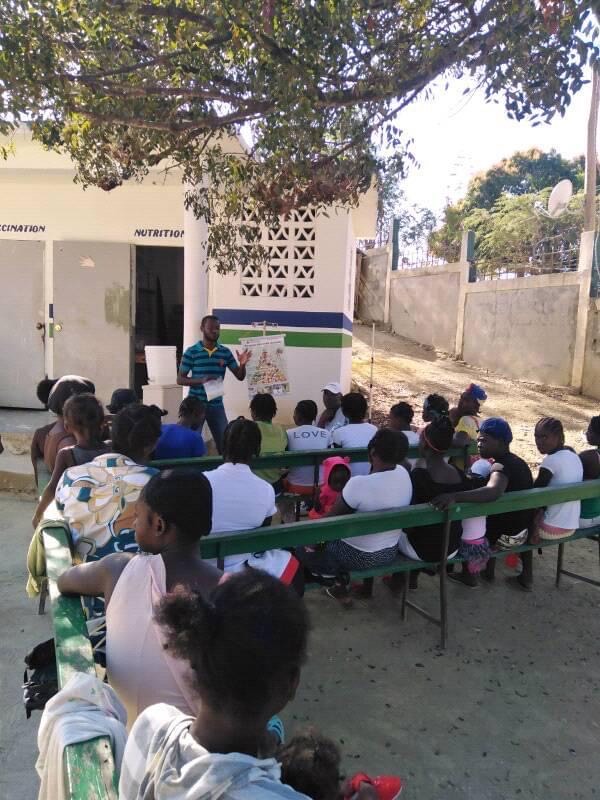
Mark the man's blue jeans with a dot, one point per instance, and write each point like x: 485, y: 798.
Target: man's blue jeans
x: 216, y: 420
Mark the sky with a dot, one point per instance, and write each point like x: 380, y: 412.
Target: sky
x: 457, y: 135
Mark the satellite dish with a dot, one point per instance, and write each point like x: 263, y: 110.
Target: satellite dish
x: 559, y: 198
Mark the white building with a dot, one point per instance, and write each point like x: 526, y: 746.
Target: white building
x: 90, y: 277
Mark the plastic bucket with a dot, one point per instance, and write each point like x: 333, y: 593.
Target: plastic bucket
x: 161, y: 363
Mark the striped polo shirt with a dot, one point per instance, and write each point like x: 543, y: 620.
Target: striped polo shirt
x: 202, y: 363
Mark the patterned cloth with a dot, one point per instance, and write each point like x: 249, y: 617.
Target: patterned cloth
x: 98, y: 502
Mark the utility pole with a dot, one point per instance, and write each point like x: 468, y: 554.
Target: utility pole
x: 591, y: 156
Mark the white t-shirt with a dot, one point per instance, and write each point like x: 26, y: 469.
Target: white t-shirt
x: 338, y: 421
x: 241, y: 501
x: 474, y: 528
x: 566, y: 467
x: 306, y: 437
x: 413, y: 441
x: 355, y: 434
x: 379, y: 491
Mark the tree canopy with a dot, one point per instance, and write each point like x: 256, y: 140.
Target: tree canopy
x: 123, y: 85
x: 499, y: 207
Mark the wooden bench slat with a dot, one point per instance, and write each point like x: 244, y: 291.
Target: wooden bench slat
x: 295, y: 458
x: 89, y: 766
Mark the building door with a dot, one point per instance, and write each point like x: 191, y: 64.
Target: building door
x: 93, y: 313
x: 22, y: 313
x: 159, y: 303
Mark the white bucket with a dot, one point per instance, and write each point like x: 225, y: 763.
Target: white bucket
x: 161, y: 363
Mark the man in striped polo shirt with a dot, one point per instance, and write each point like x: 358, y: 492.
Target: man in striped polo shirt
x: 205, y: 361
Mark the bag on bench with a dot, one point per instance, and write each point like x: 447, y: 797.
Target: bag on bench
x: 42, y: 682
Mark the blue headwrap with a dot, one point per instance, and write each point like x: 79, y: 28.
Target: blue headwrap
x: 497, y: 428
x: 477, y: 392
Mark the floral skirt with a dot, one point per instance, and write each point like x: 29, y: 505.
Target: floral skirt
x: 476, y: 553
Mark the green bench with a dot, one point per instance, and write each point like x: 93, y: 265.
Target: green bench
x: 89, y: 765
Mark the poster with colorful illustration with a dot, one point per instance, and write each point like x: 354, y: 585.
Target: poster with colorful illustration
x: 267, y: 368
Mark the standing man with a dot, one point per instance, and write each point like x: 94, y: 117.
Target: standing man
x: 332, y: 417
x: 207, y: 361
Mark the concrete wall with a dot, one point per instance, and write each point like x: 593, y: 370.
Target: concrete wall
x: 591, y: 367
x: 523, y: 328
x: 424, y: 305
x: 374, y: 281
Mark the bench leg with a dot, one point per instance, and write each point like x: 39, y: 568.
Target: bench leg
x: 43, y: 596
x: 559, y: 563
x: 443, y: 608
x: 403, y: 607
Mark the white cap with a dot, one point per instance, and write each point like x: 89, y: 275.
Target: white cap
x: 332, y: 387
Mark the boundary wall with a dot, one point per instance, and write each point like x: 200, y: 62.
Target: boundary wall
x: 542, y: 328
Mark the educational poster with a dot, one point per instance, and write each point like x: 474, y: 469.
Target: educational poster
x: 267, y: 369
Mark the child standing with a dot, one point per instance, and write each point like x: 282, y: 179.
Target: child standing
x: 83, y: 418
x: 306, y: 436
x: 474, y: 548
x: 263, y: 409
x: 336, y: 474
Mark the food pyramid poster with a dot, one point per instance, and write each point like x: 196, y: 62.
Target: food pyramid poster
x: 267, y: 368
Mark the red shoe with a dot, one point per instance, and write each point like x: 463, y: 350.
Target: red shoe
x: 388, y: 787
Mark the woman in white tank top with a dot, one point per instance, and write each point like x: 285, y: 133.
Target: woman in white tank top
x: 172, y: 514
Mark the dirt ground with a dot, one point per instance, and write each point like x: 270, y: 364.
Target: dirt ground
x: 407, y: 371
x: 510, y: 710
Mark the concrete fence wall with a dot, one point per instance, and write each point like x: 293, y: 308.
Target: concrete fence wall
x: 374, y: 285
x: 423, y: 304
x: 543, y: 328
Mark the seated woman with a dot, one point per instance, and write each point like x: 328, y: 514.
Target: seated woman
x: 590, y: 459
x: 98, y: 499
x: 57, y: 437
x: 387, y: 486
x: 242, y: 501
x: 431, y: 477
x: 509, y: 473
x: 561, y: 465
x: 358, y: 432
x: 83, y: 417
x: 273, y: 438
x: 466, y: 421
x: 244, y: 648
x: 434, y: 406
x: 173, y: 513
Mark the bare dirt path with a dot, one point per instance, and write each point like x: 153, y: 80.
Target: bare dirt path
x: 407, y: 371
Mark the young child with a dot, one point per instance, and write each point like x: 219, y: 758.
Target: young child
x: 310, y: 763
x: 263, y: 409
x: 400, y: 419
x: 83, y: 418
x: 336, y: 474
x: 305, y: 436
x: 474, y: 547
x: 244, y: 649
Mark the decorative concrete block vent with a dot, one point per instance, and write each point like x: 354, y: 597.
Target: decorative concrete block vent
x: 290, y: 270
